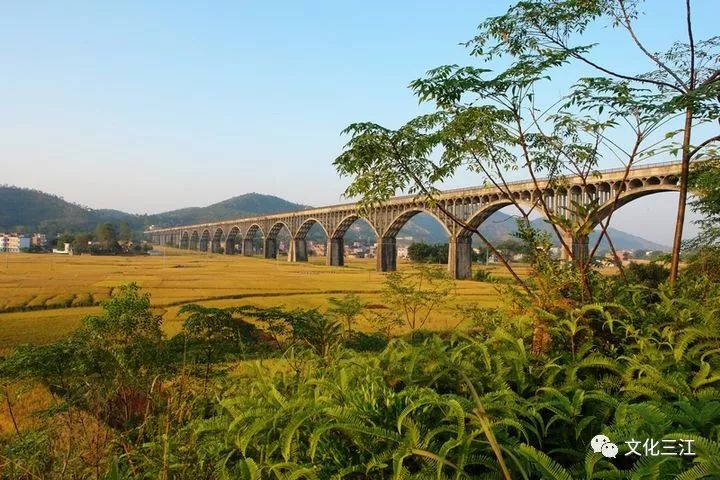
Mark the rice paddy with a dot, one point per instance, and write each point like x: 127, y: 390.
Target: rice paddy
x: 44, y: 297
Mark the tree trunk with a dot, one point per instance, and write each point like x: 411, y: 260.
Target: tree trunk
x: 682, y: 201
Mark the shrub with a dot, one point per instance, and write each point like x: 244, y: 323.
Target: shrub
x: 704, y: 263
x: 366, y: 342
x: 482, y: 275
x: 648, y: 274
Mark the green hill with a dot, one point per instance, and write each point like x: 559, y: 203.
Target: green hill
x: 249, y: 204
x: 27, y: 210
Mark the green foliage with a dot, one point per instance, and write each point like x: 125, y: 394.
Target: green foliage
x: 648, y: 274
x: 124, y: 232
x: 410, y: 411
x: 705, y: 182
x: 704, y: 263
x: 319, y: 332
x: 346, y: 309
x: 27, y: 456
x: 216, y: 329
x: 424, y: 253
x: 417, y: 295
x: 482, y: 275
x: 435, y: 406
x: 364, y: 342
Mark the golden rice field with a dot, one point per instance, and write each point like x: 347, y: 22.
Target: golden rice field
x: 57, y: 291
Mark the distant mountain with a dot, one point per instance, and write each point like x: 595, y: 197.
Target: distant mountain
x: 23, y: 209
x: 249, y: 204
x: 35, y: 211
x: 27, y: 210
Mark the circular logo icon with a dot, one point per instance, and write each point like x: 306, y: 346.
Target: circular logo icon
x: 609, y: 450
x: 597, y: 442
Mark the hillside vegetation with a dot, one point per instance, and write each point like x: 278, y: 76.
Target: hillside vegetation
x: 28, y: 210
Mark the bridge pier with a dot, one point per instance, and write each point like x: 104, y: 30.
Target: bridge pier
x: 270, y: 248
x: 386, y: 254
x: 247, y: 248
x: 298, y: 250
x: 578, y: 245
x: 460, y: 258
x: 335, y: 254
x: 215, y: 246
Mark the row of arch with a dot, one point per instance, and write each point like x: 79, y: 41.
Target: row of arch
x: 387, y: 221
x: 213, y: 239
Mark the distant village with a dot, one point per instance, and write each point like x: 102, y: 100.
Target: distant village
x: 14, y: 242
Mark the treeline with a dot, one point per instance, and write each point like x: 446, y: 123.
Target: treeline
x: 438, y: 252
x: 106, y: 239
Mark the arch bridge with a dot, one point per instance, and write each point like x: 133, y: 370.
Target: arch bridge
x: 471, y: 205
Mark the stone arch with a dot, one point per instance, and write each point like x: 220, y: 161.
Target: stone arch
x: 205, y: 240
x: 625, y: 198
x: 276, y: 228
x: 401, y: 219
x: 231, y: 241
x: 486, y: 212
x: 253, y: 229
x: 386, y: 248
x: 307, y: 225
x: 216, y: 243
x: 194, y: 240
x: 248, y: 248
x: 604, y: 192
x: 184, y: 240
x: 335, y: 253
x: 670, y: 180
x: 271, y: 246
x: 347, y: 222
x: 299, y: 245
x: 635, y: 183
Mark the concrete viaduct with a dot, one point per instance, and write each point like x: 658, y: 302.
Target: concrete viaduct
x: 471, y: 205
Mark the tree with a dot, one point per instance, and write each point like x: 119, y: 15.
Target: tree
x: 494, y: 124
x: 81, y: 242
x: 125, y: 232
x: 127, y: 318
x: 64, y: 238
x: 424, y: 253
x: 417, y: 294
x: 106, y: 234
x: 210, y: 326
x: 346, y: 308
x: 315, y: 330
x: 705, y: 181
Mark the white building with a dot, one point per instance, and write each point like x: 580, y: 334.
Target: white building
x: 13, y: 243
x: 66, y: 251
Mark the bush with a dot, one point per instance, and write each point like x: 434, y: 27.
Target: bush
x: 366, y: 342
x: 704, y: 263
x: 482, y: 275
x: 648, y: 274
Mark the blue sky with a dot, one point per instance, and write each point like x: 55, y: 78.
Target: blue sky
x: 150, y: 106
